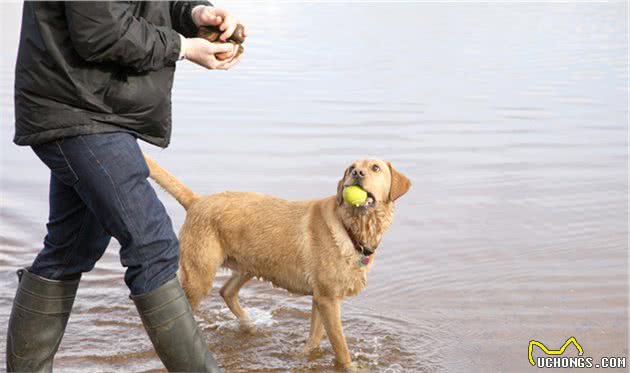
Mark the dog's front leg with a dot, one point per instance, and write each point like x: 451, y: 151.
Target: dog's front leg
x: 330, y: 312
x: 317, y: 330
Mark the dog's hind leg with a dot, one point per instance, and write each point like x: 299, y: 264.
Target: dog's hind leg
x: 200, y: 258
x: 229, y: 292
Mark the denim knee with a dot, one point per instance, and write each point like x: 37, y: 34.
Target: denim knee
x: 57, y: 265
x: 160, y: 264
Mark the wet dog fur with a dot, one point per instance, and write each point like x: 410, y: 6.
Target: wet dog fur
x: 306, y: 247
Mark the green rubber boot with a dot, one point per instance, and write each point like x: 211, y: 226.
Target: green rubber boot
x: 168, y: 319
x: 41, y: 309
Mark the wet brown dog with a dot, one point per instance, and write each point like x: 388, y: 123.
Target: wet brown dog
x: 322, y: 248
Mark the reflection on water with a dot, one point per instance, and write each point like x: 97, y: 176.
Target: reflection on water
x: 510, y: 119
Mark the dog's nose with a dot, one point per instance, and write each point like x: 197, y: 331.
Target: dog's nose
x: 358, y: 173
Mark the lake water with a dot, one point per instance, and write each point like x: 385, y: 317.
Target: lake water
x: 511, y: 122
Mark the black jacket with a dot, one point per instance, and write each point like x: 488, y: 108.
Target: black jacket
x: 92, y: 67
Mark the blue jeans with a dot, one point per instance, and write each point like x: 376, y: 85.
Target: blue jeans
x: 99, y: 189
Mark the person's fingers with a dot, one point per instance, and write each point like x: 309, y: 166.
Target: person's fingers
x: 227, y: 18
x: 220, y: 11
x: 225, y: 56
x: 209, y: 63
x: 222, y: 14
x: 228, y: 55
x: 219, y: 65
x: 221, y: 48
x: 230, y: 63
x: 213, y: 63
x: 222, y: 56
x: 235, y: 52
x: 228, y: 27
x: 209, y: 16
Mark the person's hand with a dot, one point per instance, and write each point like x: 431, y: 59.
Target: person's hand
x: 204, y: 53
x: 204, y: 15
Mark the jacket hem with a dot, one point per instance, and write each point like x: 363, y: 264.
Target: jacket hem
x: 87, y: 129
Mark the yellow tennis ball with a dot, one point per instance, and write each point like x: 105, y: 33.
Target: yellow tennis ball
x: 354, y: 195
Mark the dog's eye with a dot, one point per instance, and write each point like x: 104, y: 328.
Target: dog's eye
x: 376, y: 168
x: 350, y: 169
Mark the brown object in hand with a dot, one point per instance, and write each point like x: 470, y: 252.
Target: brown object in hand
x: 212, y: 33
x: 239, y: 35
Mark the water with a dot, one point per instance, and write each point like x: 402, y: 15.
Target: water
x: 511, y: 121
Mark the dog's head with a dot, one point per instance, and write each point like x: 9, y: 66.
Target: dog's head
x: 378, y: 178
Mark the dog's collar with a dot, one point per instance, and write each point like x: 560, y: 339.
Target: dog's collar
x: 364, y: 250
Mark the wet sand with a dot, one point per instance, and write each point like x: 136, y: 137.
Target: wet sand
x: 511, y: 121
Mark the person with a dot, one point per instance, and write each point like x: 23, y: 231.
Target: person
x: 91, y: 79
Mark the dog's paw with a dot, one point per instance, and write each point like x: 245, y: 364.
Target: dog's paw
x: 310, y: 349
x: 353, y: 366
x: 313, y: 351
x: 247, y: 326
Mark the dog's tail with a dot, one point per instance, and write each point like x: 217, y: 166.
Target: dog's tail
x: 174, y: 187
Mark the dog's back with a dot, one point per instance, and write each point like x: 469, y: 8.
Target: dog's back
x: 249, y: 232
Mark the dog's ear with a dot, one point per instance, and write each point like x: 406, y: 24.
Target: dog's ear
x: 340, y: 187
x: 400, y: 184
x: 340, y: 192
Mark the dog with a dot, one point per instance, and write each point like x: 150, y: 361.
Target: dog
x: 323, y: 248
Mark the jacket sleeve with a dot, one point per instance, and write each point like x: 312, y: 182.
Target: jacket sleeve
x: 105, y: 31
x: 181, y: 16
